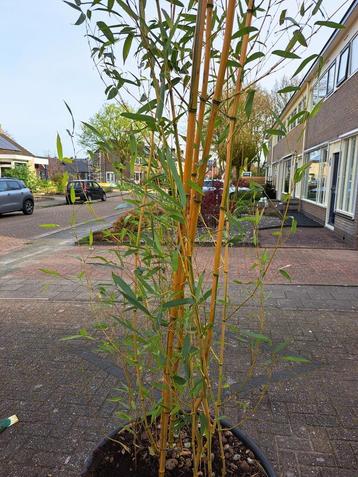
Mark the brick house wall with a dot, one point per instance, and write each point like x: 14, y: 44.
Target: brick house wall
x: 290, y: 144
x: 338, y: 115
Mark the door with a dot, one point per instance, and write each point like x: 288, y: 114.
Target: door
x: 96, y: 191
x: 4, y: 198
x: 332, y: 202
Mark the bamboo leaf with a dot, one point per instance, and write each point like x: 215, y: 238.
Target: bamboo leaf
x: 298, y: 35
x: 317, y: 7
x: 329, y: 24
x: 59, y: 147
x: 304, y: 63
x: 282, y: 17
x: 286, y: 54
x: 295, y: 359
x: 179, y: 380
x: 127, y: 46
x: 285, y: 273
x: 48, y: 271
x: 48, y: 226
x: 107, y: 32
x: 256, y: 336
x: 254, y: 56
x: 288, y: 89
x: 81, y: 19
x: 178, y: 302
x: 249, y: 102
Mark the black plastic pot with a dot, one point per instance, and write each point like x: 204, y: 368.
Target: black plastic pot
x: 244, y: 438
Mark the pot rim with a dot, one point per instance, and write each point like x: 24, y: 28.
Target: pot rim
x: 242, y: 436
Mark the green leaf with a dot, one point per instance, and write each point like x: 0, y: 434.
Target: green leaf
x: 249, y: 102
x: 275, y: 132
x: 300, y: 37
x: 112, y: 93
x: 48, y: 226
x: 177, y: 180
x: 107, y: 32
x: 282, y: 17
x: 72, y: 194
x: 48, y: 271
x: 59, y: 147
x: 178, y: 302
x: 81, y: 19
x: 256, y: 336
x: 317, y: 7
x: 204, y: 424
x: 286, y: 54
x: 285, y: 273
x: 122, y: 284
x: 304, y: 63
x: 293, y: 225
x: 316, y: 109
x: 295, y: 359
x: 179, y: 380
x: 73, y: 5
x: 127, y: 46
x: 90, y: 238
x: 288, y: 89
x: 254, y: 56
x: 244, y: 31
x: 195, y: 186
x: 175, y: 260
x: 149, y: 120
x: 297, y: 177
x: 329, y: 24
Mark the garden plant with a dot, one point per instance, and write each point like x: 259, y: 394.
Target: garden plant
x: 184, y: 66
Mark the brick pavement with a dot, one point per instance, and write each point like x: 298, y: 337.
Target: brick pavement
x: 307, y: 423
x: 323, y: 267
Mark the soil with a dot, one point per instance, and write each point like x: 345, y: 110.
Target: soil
x: 130, y: 454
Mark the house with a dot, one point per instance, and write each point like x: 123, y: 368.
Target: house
x: 328, y: 142
x: 12, y: 154
x: 77, y: 169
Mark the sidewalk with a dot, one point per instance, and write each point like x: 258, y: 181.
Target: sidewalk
x: 306, y: 423
x: 59, y: 390
x: 44, y: 201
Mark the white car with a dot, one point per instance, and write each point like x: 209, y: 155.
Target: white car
x: 215, y: 184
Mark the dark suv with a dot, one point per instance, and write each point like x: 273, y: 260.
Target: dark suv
x: 15, y: 196
x: 85, y: 190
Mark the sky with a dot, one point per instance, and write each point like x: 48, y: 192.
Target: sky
x: 45, y: 60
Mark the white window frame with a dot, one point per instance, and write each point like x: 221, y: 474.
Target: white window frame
x: 303, y: 187
x: 351, y: 72
x: 342, y: 188
x: 346, y: 48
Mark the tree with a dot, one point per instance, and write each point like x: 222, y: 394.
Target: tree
x: 280, y: 100
x: 250, y: 133
x: 110, y: 133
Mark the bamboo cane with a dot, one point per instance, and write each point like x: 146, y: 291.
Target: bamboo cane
x: 178, y: 279
x: 229, y: 148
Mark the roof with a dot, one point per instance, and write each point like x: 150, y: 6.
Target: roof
x: 8, y: 145
x: 336, y: 33
x: 78, y: 166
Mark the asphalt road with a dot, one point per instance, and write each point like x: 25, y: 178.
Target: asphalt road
x: 20, y: 226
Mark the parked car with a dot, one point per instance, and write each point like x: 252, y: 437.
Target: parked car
x: 85, y: 190
x: 217, y: 184
x: 15, y: 196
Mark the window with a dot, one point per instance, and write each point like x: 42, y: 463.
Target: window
x: 3, y: 186
x: 286, y: 176
x: 110, y: 177
x: 315, y: 180
x: 347, y: 176
x: 330, y: 78
x: 13, y: 185
x: 343, y: 66
x: 354, y: 55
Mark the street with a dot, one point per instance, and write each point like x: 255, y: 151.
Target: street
x: 17, y: 229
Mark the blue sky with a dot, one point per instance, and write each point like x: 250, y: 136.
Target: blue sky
x: 45, y: 60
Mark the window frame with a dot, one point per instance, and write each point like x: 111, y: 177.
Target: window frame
x: 355, y: 38
x: 346, y: 49
x: 342, y: 182
x: 304, y: 185
x: 332, y: 65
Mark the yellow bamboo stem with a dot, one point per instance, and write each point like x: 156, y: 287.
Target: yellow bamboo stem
x: 178, y: 279
x: 223, y: 207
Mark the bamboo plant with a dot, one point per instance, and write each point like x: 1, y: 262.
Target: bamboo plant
x: 175, y: 62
